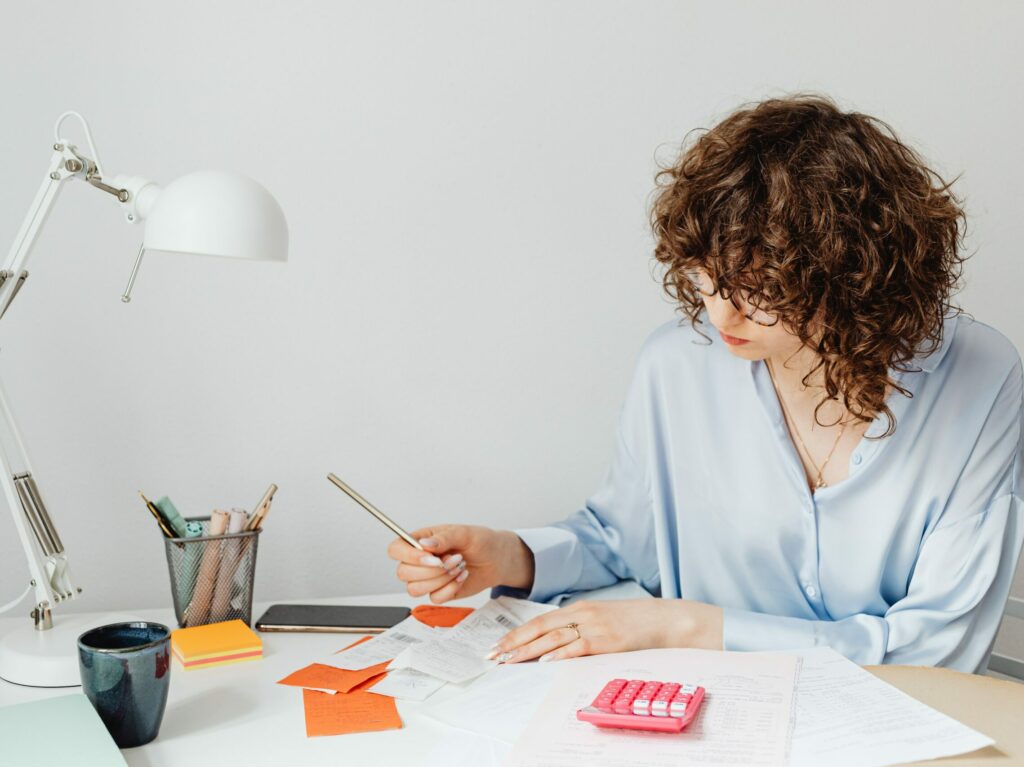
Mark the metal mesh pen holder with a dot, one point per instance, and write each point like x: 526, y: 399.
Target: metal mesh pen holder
x: 212, y: 576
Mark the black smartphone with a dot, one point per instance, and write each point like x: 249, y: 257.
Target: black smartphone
x: 341, y: 619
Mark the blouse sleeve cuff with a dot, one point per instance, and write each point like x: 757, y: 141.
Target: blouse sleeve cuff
x: 556, y: 565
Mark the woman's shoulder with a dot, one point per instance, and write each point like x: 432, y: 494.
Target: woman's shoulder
x: 971, y: 348
x: 678, y: 338
x: 682, y: 358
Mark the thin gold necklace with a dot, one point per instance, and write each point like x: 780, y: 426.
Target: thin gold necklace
x: 819, y: 482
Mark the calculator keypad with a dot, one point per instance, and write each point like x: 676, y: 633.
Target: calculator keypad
x: 633, y: 703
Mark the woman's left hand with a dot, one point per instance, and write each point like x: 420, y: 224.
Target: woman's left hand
x: 614, y: 626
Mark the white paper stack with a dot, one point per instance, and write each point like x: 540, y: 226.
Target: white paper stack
x: 839, y: 714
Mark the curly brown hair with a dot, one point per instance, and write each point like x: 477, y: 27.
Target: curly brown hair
x: 829, y: 221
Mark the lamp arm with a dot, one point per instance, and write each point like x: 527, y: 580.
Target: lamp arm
x: 33, y: 223
x: 47, y: 559
x: 135, y: 194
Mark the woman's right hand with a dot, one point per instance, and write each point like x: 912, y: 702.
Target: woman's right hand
x: 462, y: 560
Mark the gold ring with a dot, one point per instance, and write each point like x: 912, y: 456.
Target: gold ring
x: 575, y: 627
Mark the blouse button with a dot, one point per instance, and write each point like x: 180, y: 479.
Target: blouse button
x: 856, y: 458
x: 811, y: 591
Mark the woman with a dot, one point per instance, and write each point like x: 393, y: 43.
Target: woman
x: 827, y: 453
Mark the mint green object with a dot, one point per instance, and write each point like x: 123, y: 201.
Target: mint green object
x: 175, y: 522
x: 64, y: 730
x: 193, y: 551
x: 193, y: 556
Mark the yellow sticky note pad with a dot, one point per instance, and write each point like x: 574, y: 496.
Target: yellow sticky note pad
x: 215, y: 644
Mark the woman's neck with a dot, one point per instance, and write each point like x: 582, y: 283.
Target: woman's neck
x: 790, y: 368
x: 789, y: 371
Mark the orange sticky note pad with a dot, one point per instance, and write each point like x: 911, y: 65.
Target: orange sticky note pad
x: 341, y: 714
x: 439, y: 616
x: 215, y: 644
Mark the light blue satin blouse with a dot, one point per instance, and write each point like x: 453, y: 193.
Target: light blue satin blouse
x: 908, y: 560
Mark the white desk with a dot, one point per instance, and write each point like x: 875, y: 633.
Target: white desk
x: 237, y: 714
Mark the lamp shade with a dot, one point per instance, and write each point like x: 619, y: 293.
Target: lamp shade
x: 217, y: 213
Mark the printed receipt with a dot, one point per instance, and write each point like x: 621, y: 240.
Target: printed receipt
x: 408, y: 684
x: 383, y: 647
x: 459, y: 655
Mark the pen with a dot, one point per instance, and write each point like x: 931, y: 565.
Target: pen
x: 156, y: 515
x: 375, y: 511
x: 262, y: 509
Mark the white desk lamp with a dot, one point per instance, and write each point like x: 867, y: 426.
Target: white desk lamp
x: 208, y: 213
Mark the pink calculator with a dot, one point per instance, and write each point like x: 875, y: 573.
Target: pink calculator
x: 636, y: 704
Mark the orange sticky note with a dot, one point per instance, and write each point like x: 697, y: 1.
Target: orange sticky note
x: 328, y: 714
x: 324, y: 677
x: 330, y: 678
x: 439, y: 616
x: 358, y: 641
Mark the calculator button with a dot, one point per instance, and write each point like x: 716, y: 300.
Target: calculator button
x: 659, y: 707
x: 623, y: 703
x: 613, y: 687
x: 642, y: 702
x: 678, y: 709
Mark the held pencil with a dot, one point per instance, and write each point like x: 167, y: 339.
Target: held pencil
x: 380, y: 515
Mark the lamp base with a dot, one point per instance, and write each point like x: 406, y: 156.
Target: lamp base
x: 49, y: 658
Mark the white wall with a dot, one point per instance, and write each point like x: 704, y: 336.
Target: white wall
x: 466, y: 185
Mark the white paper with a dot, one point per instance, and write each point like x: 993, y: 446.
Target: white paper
x: 746, y: 718
x: 499, y: 704
x: 459, y: 656
x: 382, y: 647
x: 847, y: 717
x: 408, y: 684
x: 468, y: 750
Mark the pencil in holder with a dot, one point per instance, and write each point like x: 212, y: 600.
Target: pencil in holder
x: 212, y: 575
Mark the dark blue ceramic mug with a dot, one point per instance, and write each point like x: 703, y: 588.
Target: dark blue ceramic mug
x: 126, y: 670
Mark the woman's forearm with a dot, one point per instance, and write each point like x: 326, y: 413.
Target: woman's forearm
x: 517, y: 568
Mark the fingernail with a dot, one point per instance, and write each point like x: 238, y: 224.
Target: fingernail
x: 462, y: 576
x: 545, y: 658
x: 431, y: 561
x: 490, y: 655
x: 452, y: 561
x: 427, y: 543
x: 505, y: 656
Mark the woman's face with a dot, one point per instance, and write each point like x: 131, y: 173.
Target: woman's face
x: 748, y: 332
